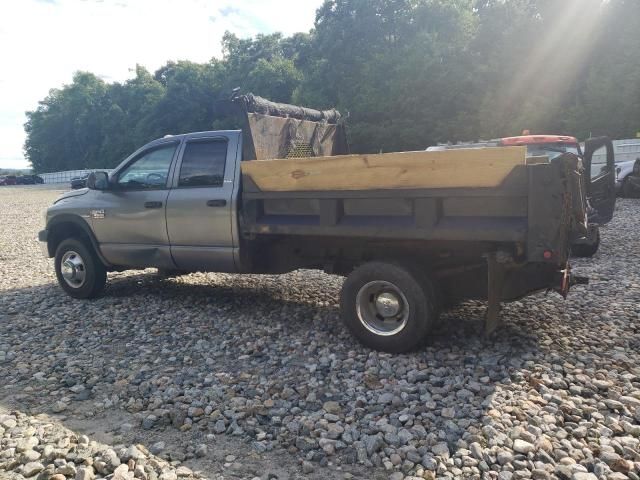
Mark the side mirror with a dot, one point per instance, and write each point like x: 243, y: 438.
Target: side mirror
x: 98, y: 181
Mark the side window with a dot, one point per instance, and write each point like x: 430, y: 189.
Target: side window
x: 203, y: 163
x: 149, y: 170
x: 599, y: 165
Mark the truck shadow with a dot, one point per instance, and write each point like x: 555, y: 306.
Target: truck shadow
x: 263, y: 360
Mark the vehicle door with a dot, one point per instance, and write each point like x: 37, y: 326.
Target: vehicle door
x: 129, y: 217
x: 599, y: 165
x: 201, y: 204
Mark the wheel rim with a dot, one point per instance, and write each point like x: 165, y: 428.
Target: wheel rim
x: 382, y: 308
x: 73, y: 269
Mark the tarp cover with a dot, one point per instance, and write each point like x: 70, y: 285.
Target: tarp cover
x: 275, y: 137
x: 278, y: 130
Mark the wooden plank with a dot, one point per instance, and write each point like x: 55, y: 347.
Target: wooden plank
x: 466, y: 168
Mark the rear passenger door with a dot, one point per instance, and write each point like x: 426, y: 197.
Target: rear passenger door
x: 201, y: 204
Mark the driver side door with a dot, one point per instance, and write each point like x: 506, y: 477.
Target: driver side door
x: 129, y: 218
x: 600, y: 173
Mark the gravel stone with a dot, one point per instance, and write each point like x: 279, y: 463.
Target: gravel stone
x: 521, y: 446
x: 59, y: 407
x: 441, y: 450
x: 583, y: 476
x: 32, y: 468
x: 85, y: 473
x: 332, y: 407
x: 307, y: 467
x: 428, y: 462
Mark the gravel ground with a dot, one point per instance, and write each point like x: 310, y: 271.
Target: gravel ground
x: 229, y: 377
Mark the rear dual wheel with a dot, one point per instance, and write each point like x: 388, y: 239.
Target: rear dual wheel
x: 388, y: 306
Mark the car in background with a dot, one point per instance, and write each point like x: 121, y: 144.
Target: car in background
x: 79, y: 182
x: 628, y: 178
x: 552, y: 146
x: 8, y: 180
x: 29, y: 180
x: 627, y: 153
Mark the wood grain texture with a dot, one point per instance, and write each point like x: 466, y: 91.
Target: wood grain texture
x: 487, y: 167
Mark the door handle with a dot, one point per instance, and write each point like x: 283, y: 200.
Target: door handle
x: 216, y: 203
x: 152, y: 204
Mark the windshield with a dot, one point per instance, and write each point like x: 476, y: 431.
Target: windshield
x: 552, y: 150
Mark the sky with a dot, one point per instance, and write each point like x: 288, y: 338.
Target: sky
x: 43, y: 42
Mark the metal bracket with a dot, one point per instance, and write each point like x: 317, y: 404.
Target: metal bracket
x: 495, y: 282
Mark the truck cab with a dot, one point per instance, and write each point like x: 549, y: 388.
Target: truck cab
x: 148, y: 211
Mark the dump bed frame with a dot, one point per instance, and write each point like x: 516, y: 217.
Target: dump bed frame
x: 528, y: 207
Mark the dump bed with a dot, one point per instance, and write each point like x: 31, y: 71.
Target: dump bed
x: 487, y: 195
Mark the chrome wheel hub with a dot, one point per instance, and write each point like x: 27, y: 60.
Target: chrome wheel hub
x: 72, y: 269
x: 382, y: 308
x: 388, y: 304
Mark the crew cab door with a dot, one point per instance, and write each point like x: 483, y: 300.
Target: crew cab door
x: 599, y: 164
x: 128, y: 218
x: 201, y: 204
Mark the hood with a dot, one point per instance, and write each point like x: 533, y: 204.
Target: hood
x: 72, y: 193
x: 625, y: 163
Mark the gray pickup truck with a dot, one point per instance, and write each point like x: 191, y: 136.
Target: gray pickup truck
x: 183, y: 204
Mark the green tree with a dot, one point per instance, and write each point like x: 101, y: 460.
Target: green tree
x: 409, y: 72
x: 125, y: 125
x: 66, y: 130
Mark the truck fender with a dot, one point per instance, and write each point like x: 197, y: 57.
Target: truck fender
x: 59, y: 225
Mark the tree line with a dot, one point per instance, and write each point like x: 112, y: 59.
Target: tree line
x: 410, y: 73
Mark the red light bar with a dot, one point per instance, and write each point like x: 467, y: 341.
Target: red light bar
x: 533, y: 139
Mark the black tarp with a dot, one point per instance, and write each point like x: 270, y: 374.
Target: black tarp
x: 255, y: 104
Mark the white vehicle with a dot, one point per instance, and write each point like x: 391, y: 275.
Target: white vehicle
x: 627, y: 155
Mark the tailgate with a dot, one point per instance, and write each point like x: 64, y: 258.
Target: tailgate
x: 556, y: 207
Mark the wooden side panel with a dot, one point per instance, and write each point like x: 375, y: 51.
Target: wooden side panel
x: 472, y: 168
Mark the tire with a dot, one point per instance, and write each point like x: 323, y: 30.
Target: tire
x: 585, y: 250
x: 80, y: 272
x: 628, y: 190
x: 387, y: 307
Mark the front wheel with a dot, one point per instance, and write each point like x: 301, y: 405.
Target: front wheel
x: 78, y: 269
x: 387, y: 307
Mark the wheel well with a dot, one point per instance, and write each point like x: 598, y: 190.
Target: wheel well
x: 62, y: 231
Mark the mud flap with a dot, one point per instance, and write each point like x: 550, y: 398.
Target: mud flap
x: 495, y: 283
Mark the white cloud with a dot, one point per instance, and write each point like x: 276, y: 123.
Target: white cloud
x: 45, y: 41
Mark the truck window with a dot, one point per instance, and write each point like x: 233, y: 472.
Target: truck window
x: 150, y: 170
x: 203, y: 163
x: 599, y: 165
x: 551, y: 150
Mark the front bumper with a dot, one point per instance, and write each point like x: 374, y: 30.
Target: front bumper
x: 44, y: 245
